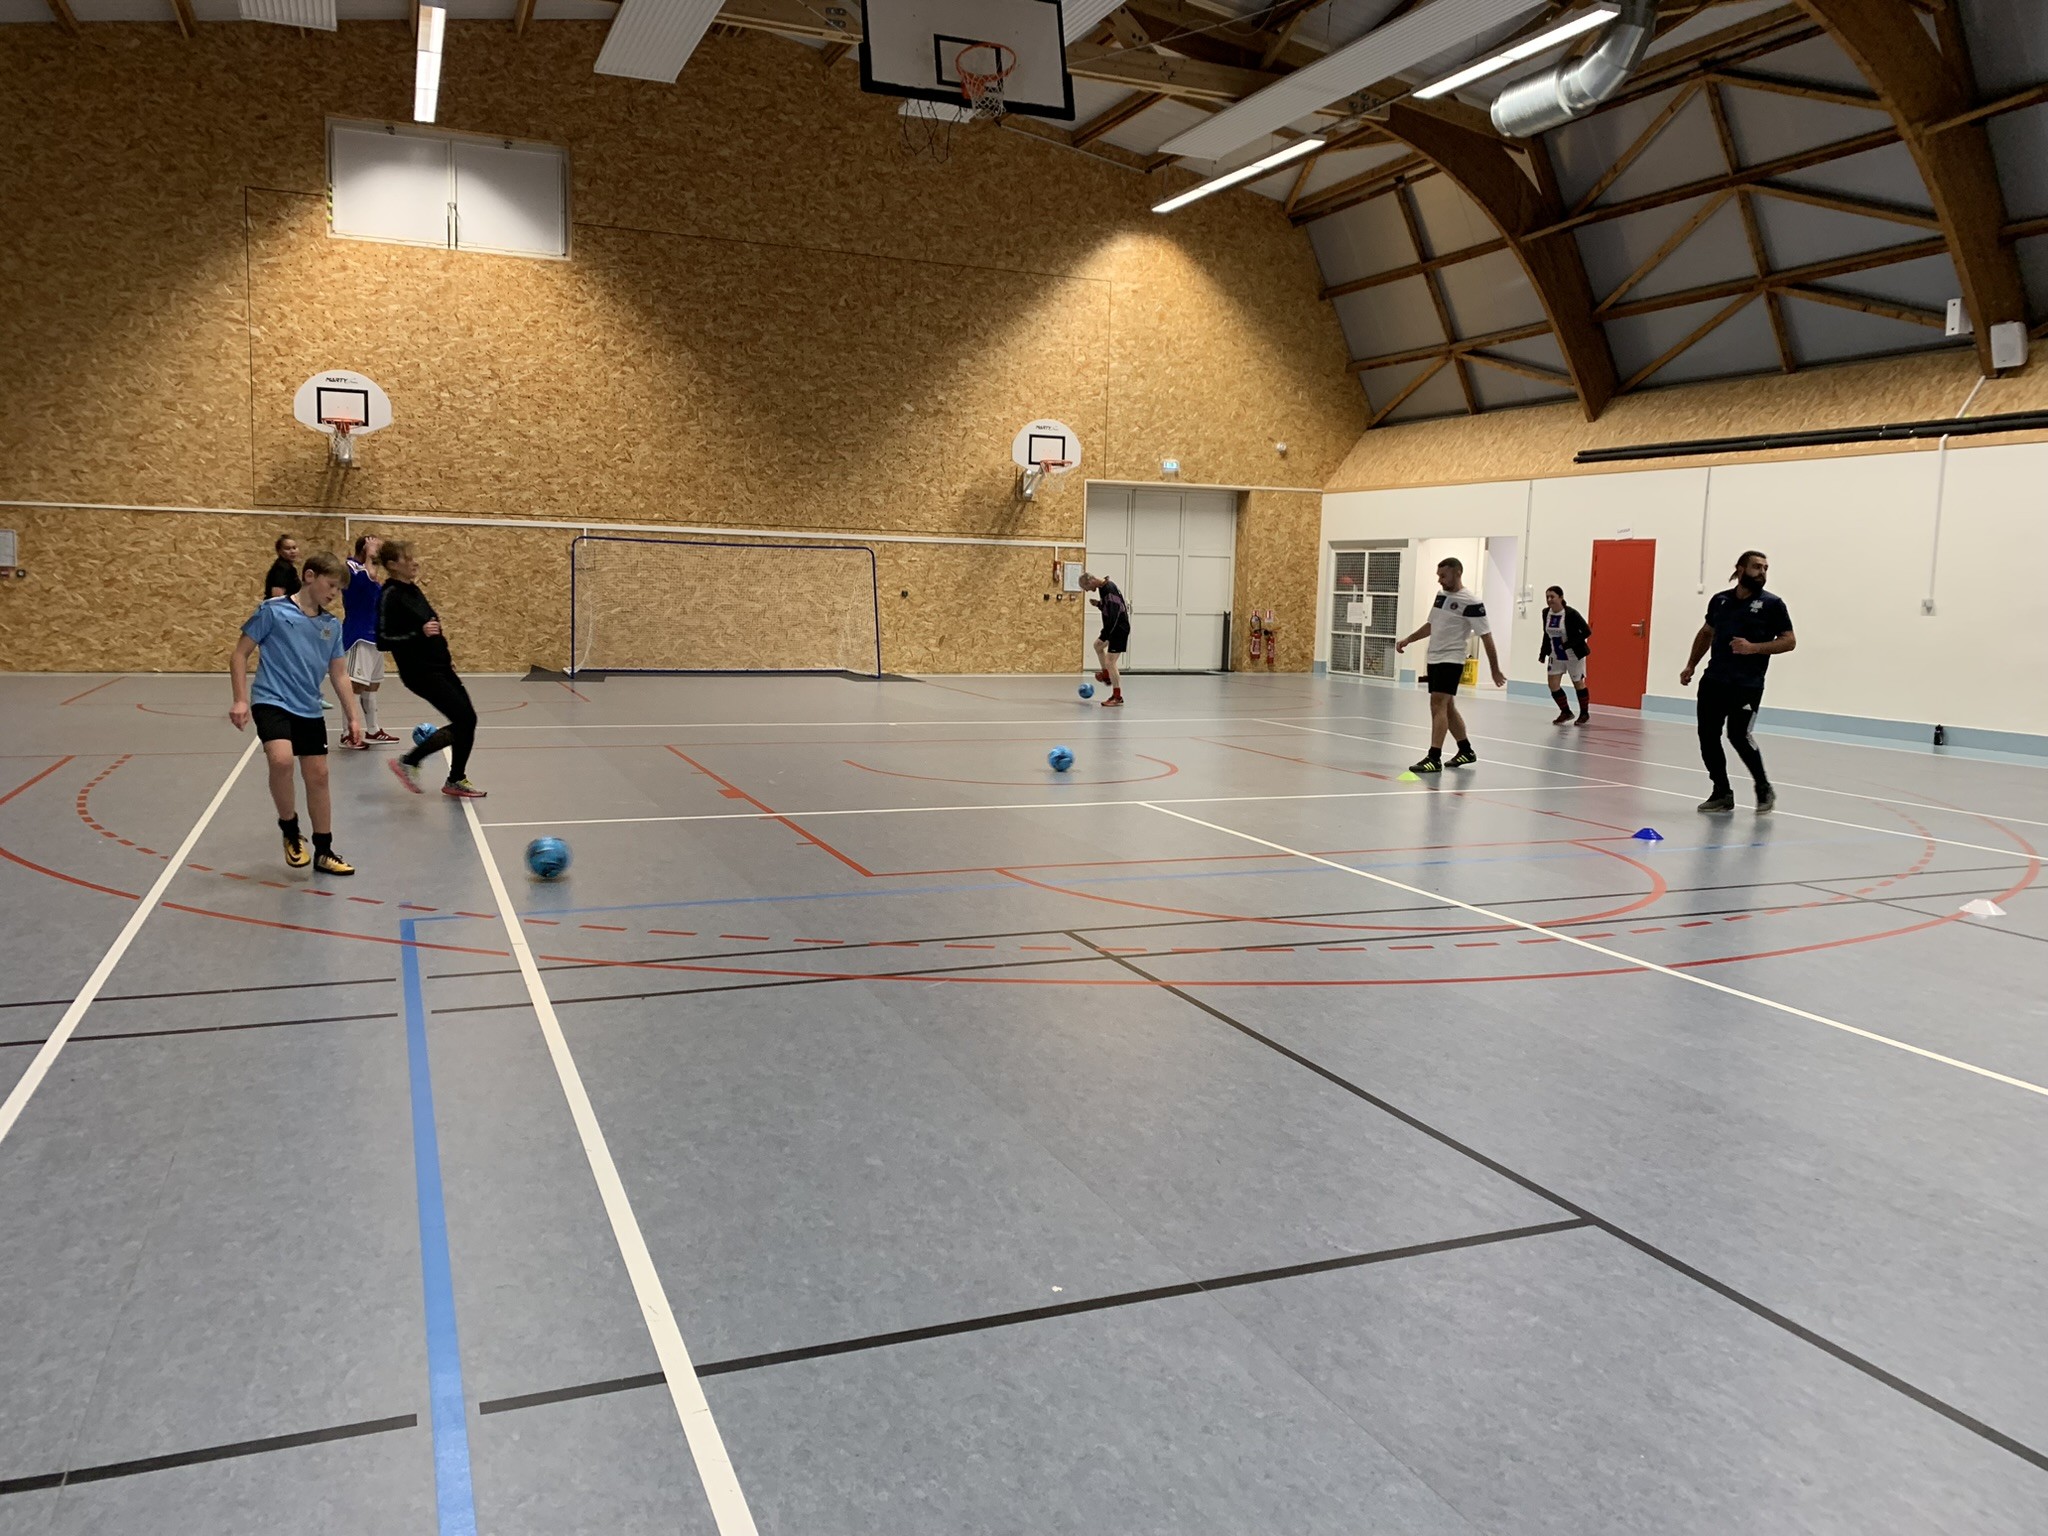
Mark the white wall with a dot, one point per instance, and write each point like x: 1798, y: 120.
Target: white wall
x: 1849, y: 541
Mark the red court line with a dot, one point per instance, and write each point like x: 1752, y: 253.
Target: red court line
x: 96, y: 687
x: 584, y: 697
x: 818, y: 842
x: 32, y: 783
x: 1309, y: 762
x: 929, y: 778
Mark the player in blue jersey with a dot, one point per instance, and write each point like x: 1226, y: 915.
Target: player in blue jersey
x: 359, y: 638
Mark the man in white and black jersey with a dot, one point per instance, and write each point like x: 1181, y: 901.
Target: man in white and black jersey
x: 1456, y: 615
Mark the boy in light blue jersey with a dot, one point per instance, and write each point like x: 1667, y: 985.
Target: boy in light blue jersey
x: 299, y: 643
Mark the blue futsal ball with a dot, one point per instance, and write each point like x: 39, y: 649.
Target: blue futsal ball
x: 547, y: 857
x: 1061, y: 758
x: 422, y: 731
x: 1087, y: 690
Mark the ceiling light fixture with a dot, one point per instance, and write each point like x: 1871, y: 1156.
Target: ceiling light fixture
x: 1528, y: 48
x: 1242, y: 174
x: 426, y: 86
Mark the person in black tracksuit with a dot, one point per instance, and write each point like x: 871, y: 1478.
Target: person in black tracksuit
x: 1567, y: 641
x: 410, y: 630
x: 1746, y: 626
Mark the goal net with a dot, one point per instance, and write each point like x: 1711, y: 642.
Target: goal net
x: 687, y: 605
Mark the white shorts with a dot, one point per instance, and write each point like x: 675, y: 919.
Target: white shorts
x: 365, y: 663
x: 1573, y: 667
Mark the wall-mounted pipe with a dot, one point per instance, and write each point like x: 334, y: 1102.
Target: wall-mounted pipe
x: 1832, y: 437
x: 1575, y: 87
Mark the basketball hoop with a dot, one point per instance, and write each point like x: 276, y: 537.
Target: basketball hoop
x: 983, y: 88
x: 1044, y: 469
x: 341, y: 446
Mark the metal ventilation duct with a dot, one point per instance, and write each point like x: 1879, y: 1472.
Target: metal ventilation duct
x: 1574, y: 88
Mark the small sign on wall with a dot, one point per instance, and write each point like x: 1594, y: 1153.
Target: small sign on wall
x: 1070, y: 576
x: 1354, y: 611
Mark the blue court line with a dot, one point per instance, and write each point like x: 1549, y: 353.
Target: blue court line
x: 454, y: 1498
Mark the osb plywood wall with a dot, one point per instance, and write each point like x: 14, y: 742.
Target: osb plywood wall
x: 1277, y: 566
x: 769, y: 320
x: 1539, y: 442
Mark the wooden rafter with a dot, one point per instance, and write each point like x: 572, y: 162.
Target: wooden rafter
x: 1416, y: 268
x: 1805, y: 90
x: 1486, y: 171
x: 1115, y: 117
x: 1911, y: 314
x: 1788, y: 277
x: 2024, y: 229
x: 1448, y: 348
x: 1922, y: 86
x: 1197, y: 33
x: 1664, y: 252
x: 1413, y: 222
x: 1354, y: 190
x: 188, y: 24
x: 1842, y: 202
x: 1634, y: 152
x: 833, y: 53
x: 1409, y: 389
x: 1752, y: 231
x: 60, y: 12
x: 1747, y: 43
x: 2032, y: 96
x: 522, y: 17
x: 1527, y: 370
x: 1299, y: 184
x: 1697, y: 335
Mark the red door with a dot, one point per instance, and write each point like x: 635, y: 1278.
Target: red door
x: 1618, y: 611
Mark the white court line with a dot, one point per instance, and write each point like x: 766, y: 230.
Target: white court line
x: 1686, y: 794
x: 954, y: 721
x: 38, y: 1069
x: 721, y: 1484
x: 1614, y: 954
x: 1053, y: 805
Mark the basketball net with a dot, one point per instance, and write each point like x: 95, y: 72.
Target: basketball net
x: 982, y: 68
x: 925, y: 129
x: 341, y: 447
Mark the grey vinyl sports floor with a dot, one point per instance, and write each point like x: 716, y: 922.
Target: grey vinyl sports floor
x: 876, y: 1132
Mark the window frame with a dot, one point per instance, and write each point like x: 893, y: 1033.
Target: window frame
x: 450, y: 137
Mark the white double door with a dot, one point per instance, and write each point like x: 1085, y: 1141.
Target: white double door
x: 1172, y: 553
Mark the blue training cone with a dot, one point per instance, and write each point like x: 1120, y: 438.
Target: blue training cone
x: 1647, y: 835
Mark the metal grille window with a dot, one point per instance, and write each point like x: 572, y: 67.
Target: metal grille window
x: 1365, y: 607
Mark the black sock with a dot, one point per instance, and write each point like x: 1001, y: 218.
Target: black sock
x: 1432, y: 754
x: 289, y: 826
x: 1585, y: 702
x: 1466, y: 746
x: 323, y: 842
x: 1558, y: 694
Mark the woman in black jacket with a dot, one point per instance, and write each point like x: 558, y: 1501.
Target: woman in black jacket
x: 1566, y: 641
x: 410, y: 630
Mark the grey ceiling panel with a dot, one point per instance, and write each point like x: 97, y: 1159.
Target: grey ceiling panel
x: 1798, y: 233
x: 1821, y: 333
x: 1441, y: 396
x: 1685, y: 151
x: 1092, y: 98
x: 1449, y: 219
x: 2019, y: 143
x: 1496, y: 388
x: 1742, y: 345
x: 1543, y: 351
x: 1151, y: 128
x: 1717, y: 252
x: 1887, y: 174
x: 1331, y: 169
x: 1361, y: 241
x: 2033, y: 256
x: 1820, y: 62
x: 1396, y: 318
x: 1582, y: 151
x: 1616, y: 247
x: 1766, y: 125
x: 1490, y: 294
x: 1925, y: 284
x: 2008, y: 43
x: 1714, y: 18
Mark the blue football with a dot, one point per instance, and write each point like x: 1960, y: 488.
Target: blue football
x: 1061, y: 758
x: 547, y: 857
x: 1087, y: 690
x: 422, y: 731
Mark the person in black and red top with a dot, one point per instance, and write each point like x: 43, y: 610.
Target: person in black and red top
x: 1115, y: 638
x: 410, y: 630
x: 1746, y: 626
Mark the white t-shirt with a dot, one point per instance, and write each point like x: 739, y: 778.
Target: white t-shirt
x: 1453, y: 619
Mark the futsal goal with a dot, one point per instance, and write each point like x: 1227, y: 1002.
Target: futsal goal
x: 694, y: 605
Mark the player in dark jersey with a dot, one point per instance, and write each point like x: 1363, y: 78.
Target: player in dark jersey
x: 1115, y: 638
x: 410, y: 630
x: 1746, y: 626
x: 282, y: 579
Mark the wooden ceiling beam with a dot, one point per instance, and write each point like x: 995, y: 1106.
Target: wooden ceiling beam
x: 1355, y: 189
x: 1487, y: 172
x: 1634, y: 152
x: 1407, y: 390
x: 1115, y: 117
x: 1699, y: 334
x: 1752, y: 231
x: 1804, y: 90
x: 1842, y: 202
x: 1415, y: 268
x: 1526, y: 370
x: 1666, y: 251
x: 1406, y: 200
x: 1446, y: 349
x: 1911, y: 314
x: 1811, y: 272
x: 60, y: 12
x: 2024, y: 229
x: 1923, y: 86
x: 522, y: 17
x: 188, y: 24
x: 2019, y: 101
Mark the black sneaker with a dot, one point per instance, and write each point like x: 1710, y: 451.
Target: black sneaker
x: 1766, y: 800
x: 1427, y: 765
x: 1719, y: 800
x: 1564, y: 717
x: 1465, y: 759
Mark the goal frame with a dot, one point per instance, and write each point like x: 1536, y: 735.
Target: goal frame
x: 575, y: 669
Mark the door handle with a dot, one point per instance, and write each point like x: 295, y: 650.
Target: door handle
x: 1637, y: 628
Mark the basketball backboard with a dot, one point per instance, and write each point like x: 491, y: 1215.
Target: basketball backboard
x: 339, y: 395
x: 1046, y: 441
x: 912, y: 48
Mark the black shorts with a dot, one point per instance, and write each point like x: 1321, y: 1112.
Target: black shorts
x: 1116, y: 638
x: 1444, y: 676
x: 308, y: 737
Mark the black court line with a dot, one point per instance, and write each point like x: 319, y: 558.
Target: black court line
x: 1029, y: 1315
x: 1899, y: 904
x: 207, y: 1029
x: 1777, y: 1319
x: 157, y: 997
x: 114, y: 1469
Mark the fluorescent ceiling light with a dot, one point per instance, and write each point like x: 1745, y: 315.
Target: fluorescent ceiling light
x: 1527, y: 49
x: 653, y: 39
x: 426, y: 80
x: 1084, y: 16
x: 1426, y: 33
x: 1242, y: 174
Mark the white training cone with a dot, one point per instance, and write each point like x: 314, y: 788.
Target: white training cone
x: 1982, y: 908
